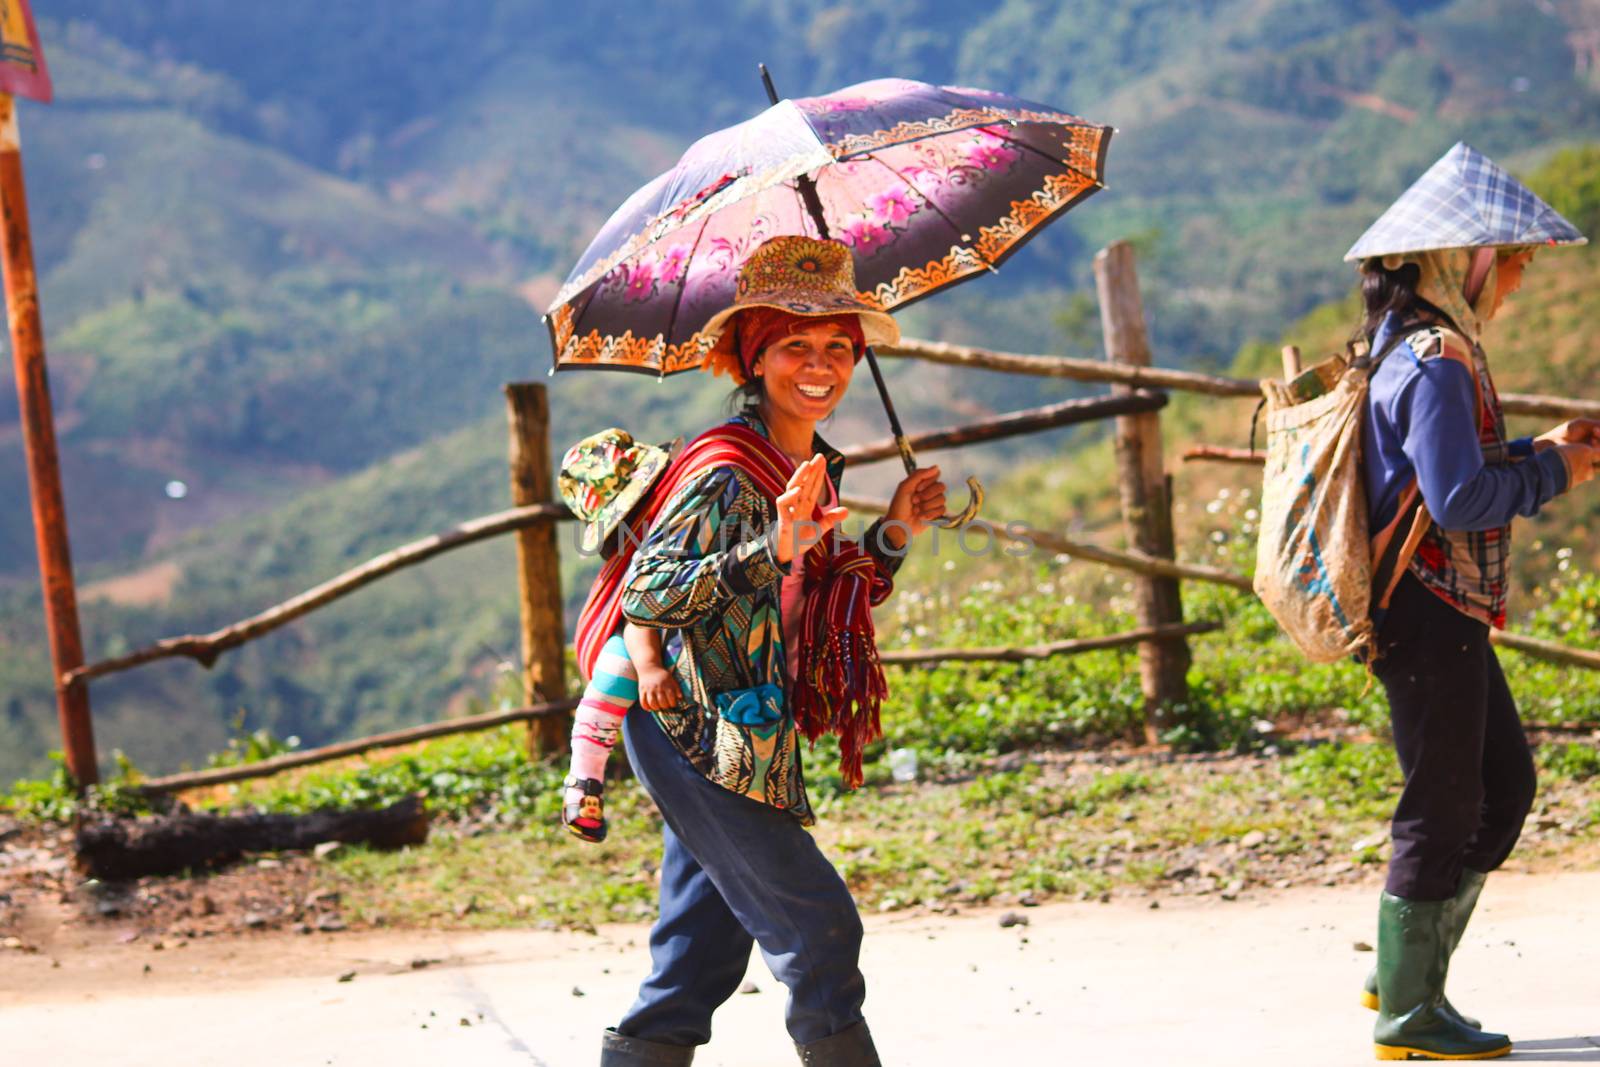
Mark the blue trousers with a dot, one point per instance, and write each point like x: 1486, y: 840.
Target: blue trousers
x: 736, y: 873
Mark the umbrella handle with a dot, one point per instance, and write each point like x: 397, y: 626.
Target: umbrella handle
x: 968, y: 513
x: 974, y: 488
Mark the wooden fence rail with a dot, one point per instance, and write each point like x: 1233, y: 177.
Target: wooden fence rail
x: 1219, y: 454
x: 172, y: 783
x: 1031, y: 420
x: 205, y: 648
x: 1082, y: 370
x: 1025, y: 538
x: 903, y: 657
x: 1089, y: 370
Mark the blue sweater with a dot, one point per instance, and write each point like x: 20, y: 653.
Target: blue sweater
x: 1422, y: 420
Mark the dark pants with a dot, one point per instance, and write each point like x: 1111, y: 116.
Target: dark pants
x: 737, y: 872
x: 1469, y: 775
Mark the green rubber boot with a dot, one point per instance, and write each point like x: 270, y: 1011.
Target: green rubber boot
x: 1460, y: 913
x: 1413, y: 959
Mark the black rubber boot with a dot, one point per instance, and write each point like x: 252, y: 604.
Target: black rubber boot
x: 851, y: 1047
x: 617, y: 1050
x: 1460, y: 912
x: 1413, y: 960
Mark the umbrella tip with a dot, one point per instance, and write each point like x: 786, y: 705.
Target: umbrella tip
x: 766, y: 82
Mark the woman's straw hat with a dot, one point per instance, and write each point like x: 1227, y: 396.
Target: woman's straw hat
x: 803, y: 276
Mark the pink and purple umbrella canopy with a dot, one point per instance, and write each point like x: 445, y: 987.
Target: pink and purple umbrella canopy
x: 928, y: 185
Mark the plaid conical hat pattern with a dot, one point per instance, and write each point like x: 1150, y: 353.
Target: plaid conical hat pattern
x: 1465, y: 200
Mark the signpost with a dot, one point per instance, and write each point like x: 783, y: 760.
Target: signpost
x: 23, y: 73
x: 22, y: 69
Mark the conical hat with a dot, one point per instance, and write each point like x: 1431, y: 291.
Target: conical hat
x: 1465, y: 200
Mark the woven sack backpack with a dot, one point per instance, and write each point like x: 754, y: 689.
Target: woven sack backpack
x: 1317, y: 563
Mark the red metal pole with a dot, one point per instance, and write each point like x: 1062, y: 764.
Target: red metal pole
x: 44, y: 469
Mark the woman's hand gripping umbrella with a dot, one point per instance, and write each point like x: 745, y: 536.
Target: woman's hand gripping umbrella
x: 927, y: 185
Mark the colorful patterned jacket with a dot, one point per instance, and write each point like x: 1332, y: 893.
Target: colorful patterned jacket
x: 707, y: 571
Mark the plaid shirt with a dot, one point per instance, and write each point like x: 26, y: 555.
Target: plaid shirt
x: 1468, y: 569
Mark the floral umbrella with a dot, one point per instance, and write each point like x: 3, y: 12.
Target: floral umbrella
x: 928, y: 185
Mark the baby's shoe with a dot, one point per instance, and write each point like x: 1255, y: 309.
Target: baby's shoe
x: 584, y: 816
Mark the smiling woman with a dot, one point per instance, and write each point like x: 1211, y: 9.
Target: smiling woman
x: 767, y: 619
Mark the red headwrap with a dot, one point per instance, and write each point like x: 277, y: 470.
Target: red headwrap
x: 759, y: 327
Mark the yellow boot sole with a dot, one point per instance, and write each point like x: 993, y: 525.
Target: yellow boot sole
x: 1401, y: 1052
x: 1369, y: 1000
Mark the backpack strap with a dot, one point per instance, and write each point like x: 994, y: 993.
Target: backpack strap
x: 1392, y: 554
x: 1402, y: 333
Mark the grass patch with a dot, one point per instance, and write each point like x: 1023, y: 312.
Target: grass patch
x: 1054, y: 825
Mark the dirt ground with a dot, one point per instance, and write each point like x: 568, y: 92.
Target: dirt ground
x: 1265, y: 979
x: 262, y: 964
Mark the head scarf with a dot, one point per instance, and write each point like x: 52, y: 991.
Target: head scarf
x: 1444, y: 273
x: 759, y: 327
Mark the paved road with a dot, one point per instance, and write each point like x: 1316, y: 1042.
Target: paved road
x: 1265, y: 980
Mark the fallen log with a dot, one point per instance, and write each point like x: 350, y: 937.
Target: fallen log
x: 115, y: 849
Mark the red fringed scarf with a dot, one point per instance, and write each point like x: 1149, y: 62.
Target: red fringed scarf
x: 841, y: 684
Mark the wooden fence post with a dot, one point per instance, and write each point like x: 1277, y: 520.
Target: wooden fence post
x: 44, y: 468
x: 544, y: 635
x: 1146, y: 492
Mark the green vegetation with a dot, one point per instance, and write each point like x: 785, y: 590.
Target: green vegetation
x: 53, y: 798
x: 1051, y: 826
x: 1570, y: 182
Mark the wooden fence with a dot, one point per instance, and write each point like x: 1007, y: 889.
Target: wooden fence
x: 1144, y: 489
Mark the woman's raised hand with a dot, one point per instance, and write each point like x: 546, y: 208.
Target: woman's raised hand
x: 918, y: 500
x: 796, y: 530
